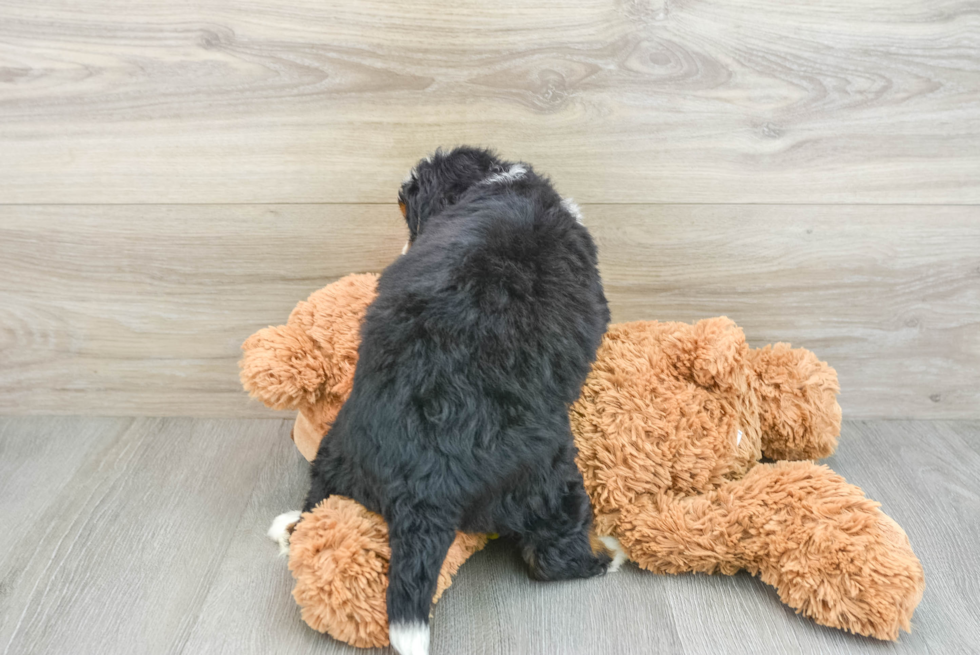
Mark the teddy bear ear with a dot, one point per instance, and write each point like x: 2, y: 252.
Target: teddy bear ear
x: 282, y: 367
x: 709, y: 352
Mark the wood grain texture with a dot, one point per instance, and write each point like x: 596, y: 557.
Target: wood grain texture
x: 123, y: 558
x: 890, y: 296
x: 140, y: 310
x: 155, y: 544
x: 33, y: 450
x: 250, y: 607
x: 620, y: 100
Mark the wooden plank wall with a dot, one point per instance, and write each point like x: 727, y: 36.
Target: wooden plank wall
x: 176, y: 176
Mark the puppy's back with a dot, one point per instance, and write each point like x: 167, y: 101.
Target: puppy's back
x: 507, y: 282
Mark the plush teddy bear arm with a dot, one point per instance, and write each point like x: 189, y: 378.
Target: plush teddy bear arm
x: 830, y: 552
x: 339, y: 556
x: 282, y: 367
x: 797, y: 395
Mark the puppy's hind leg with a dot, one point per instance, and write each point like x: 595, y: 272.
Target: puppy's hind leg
x: 331, y: 475
x: 419, y: 543
x: 558, y: 544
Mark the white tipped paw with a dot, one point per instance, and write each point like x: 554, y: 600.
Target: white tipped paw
x: 280, y: 529
x: 409, y: 638
x: 619, y: 555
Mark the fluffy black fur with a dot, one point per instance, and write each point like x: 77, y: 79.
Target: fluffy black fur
x: 479, y: 340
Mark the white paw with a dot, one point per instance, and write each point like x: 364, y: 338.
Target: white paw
x: 279, y: 531
x: 619, y: 555
x: 409, y: 638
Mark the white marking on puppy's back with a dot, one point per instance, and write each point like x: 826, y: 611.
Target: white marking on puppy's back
x: 279, y: 530
x: 619, y: 555
x: 409, y: 638
x: 572, y: 208
x: 515, y: 172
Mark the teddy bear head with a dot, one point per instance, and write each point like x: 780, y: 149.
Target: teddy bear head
x: 308, y: 363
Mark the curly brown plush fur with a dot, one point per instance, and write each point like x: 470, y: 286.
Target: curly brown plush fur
x: 829, y: 551
x: 670, y: 428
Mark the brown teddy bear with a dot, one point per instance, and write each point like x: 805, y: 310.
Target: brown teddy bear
x: 670, y: 428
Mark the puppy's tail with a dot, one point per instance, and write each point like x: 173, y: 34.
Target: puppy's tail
x: 419, y: 544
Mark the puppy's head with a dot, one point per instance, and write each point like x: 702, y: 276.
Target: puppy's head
x: 438, y: 182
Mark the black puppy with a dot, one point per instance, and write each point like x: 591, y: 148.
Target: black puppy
x: 478, y: 341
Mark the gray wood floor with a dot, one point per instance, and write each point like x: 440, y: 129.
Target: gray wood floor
x: 147, y: 536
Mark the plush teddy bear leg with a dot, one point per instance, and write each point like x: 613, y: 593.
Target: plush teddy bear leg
x: 339, y: 556
x: 830, y: 552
